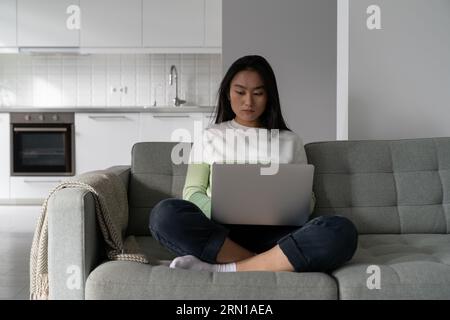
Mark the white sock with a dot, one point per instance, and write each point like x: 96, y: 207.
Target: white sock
x: 193, y: 263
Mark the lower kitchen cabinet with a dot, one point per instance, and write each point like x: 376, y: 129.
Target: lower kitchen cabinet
x: 103, y: 140
x: 208, y: 120
x: 33, y: 187
x: 171, y: 126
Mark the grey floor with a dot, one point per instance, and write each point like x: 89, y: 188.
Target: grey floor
x: 14, y: 265
x: 16, y: 234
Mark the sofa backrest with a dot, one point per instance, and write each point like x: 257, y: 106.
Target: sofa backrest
x: 398, y: 186
x: 153, y: 178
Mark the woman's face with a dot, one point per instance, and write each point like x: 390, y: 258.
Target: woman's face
x: 248, y: 98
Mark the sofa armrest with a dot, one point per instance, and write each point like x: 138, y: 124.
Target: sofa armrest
x: 75, y: 243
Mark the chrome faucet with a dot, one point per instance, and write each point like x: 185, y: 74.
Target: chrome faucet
x: 177, y: 102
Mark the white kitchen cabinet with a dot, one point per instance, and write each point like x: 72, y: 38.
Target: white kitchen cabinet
x: 208, y: 119
x: 8, y: 23
x: 113, y: 26
x: 43, y: 23
x: 103, y: 140
x: 173, y: 23
x: 33, y: 187
x: 4, y: 156
x: 170, y: 126
x: 213, y: 23
x: 111, y: 23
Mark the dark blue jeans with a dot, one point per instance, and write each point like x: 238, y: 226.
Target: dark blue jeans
x: 321, y: 245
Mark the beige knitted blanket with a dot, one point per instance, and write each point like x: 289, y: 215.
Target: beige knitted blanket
x: 111, y: 208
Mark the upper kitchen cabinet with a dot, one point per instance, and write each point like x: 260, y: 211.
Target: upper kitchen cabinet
x: 213, y: 23
x: 174, y: 23
x: 112, y: 26
x: 47, y: 23
x: 111, y: 23
x: 8, y: 23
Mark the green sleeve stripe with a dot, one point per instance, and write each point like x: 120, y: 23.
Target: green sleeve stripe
x: 195, y: 186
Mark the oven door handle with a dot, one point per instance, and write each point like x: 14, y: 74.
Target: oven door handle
x: 40, y: 129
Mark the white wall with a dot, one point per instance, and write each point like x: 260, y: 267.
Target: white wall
x: 342, y: 70
x: 298, y: 38
x: 399, y: 76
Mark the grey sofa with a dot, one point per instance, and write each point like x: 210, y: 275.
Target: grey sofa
x: 396, y: 192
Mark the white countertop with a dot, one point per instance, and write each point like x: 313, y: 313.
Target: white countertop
x: 161, y: 109
x: 22, y: 202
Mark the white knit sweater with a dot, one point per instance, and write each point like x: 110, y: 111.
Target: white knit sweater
x: 251, y: 145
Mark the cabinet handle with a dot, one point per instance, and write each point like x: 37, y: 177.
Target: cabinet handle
x: 40, y: 129
x: 108, y: 117
x: 42, y: 181
x: 171, y: 116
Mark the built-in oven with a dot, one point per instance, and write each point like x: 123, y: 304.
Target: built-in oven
x: 42, y: 144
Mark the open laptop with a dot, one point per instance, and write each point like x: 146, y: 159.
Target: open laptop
x: 240, y: 194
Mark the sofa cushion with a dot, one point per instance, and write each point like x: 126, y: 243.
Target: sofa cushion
x: 412, y: 266
x: 154, y: 250
x: 130, y: 280
x: 398, y: 186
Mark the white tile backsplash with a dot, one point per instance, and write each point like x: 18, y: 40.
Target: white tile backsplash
x: 88, y: 80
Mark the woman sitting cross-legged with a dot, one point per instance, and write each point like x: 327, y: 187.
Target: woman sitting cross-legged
x: 248, y: 100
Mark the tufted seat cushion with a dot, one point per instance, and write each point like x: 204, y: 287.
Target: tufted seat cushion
x: 412, y: 266
x: 130, y: 280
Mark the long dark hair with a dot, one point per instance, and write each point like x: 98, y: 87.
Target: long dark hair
x: 271, y: 118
